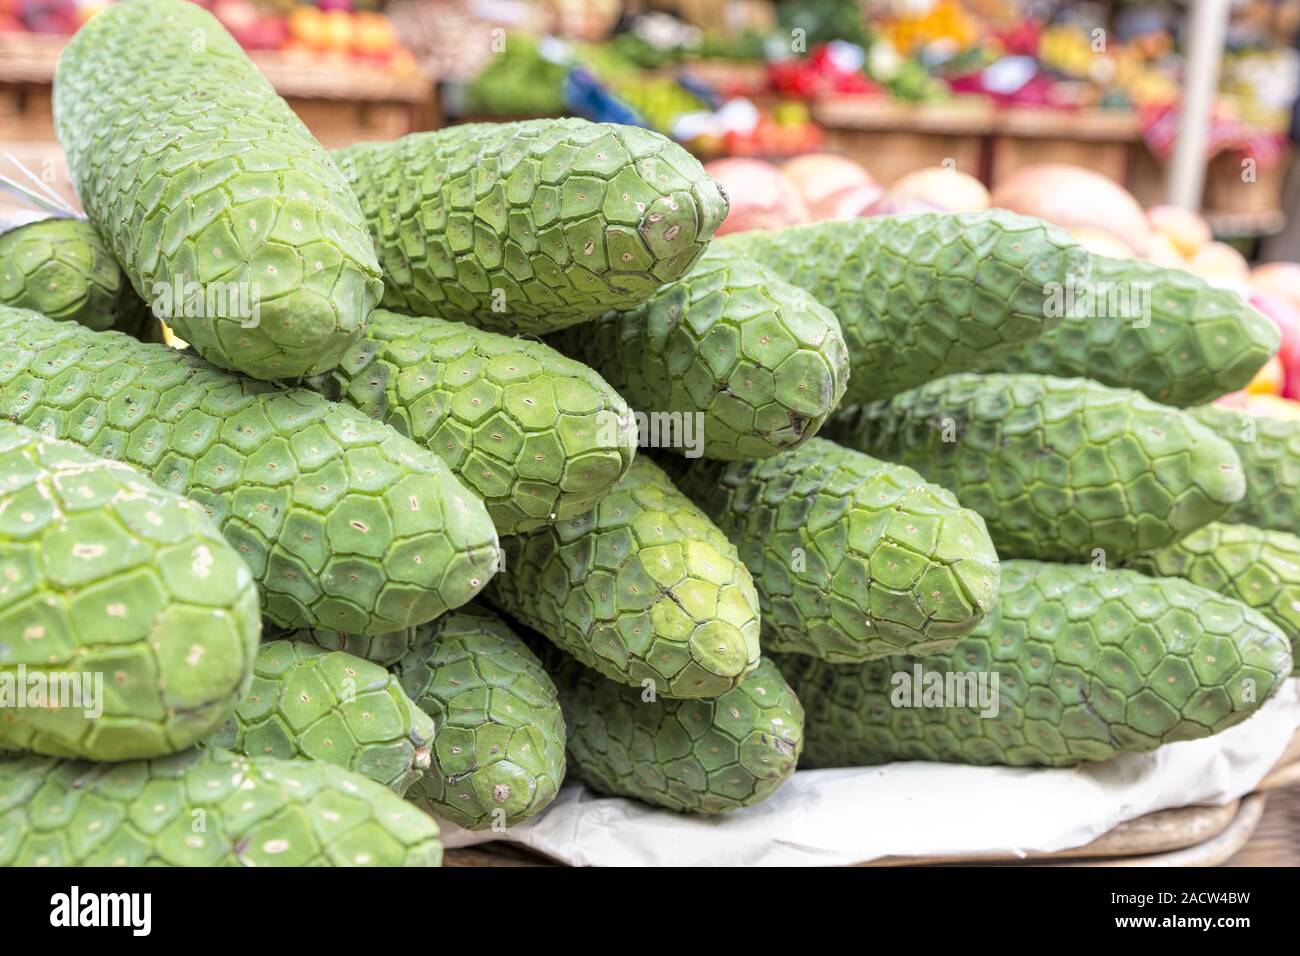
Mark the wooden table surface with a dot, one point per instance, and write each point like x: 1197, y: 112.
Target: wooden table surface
x: 1276, y: 842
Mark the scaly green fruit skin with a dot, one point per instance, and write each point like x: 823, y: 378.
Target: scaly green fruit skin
x: 1270, y: 457
x: 1257, y: 567
x: 532, y: 226
x: 195, y: 171
x: 344, y: 523
x: 643, y: 587
x: 386, y: 649
x: 925, y: 295
x: 1090, y: 664
x: 692, y: 756
x: 1059, y: 468
x: 854, y: 559
x: 330, y: 706
x: 108, y: 578
x: 498, y: 757
x: 539, y: 437
x: 62, y: 269
x: 759, y: 359
x: 256, y: 811
x: 1194, y: 343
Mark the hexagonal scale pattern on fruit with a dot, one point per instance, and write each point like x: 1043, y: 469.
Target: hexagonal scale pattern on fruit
x: 1257, y: 567
x: 255, y: 811
x: 925, y: 295
x: 539, y: 437
x: 1270, y: 457
x: 328, y: 705
x: 761, y: 360
x: 692, y: 756
x: 644, y: 586
x: 498, y: 757
x: 854, y: 559
x: 1058, y: 468
x: 531, y: 226
x: 1089, y: 664
x: 62, y: 269
x: 107, y: 577
x: 344, y: 523
x: 1167, y: 333
x: 386, y: 649
x: 196, y: 172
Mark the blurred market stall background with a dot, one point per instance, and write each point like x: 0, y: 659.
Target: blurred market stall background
x: 809, y: 109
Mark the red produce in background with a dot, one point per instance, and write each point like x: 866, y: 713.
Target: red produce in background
x: 1287, y: 319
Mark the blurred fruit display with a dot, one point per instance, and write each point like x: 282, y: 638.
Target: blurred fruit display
x: 345, y: 28
x: 518, y: 81
x: 448, y: 41
x: 945, y: 21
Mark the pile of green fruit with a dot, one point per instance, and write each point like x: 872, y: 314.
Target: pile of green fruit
x: 335, y: 570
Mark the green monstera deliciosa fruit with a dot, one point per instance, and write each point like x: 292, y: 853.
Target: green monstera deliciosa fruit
x: 255, y: 811
x: 122, y: 591
x: 692, y: 756
x: 642, y: 587
x: 537, y: 436
x: 762, y: 362
x: 854, y: 559
x: 925, y: 295
x: 1088, y: 664
x: 201, y: 179
x: 1258, y: 567
x: 1167, y: 333
x: 1270, y: 457
x: 386, y: 649
x: 344, y: 523
x: 498, y: 757
x: 62, y: 269
x: 531, y: 226
x: 1059, y: 468
x: 325, y: 705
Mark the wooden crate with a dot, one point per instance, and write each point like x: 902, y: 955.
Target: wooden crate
x: 341, y: 100
x: 892, y: 139
x: 1226, y: 192
x: 891, y: 155
x: 1012, y: 153
x: 1099, y: 140
x: 339, y: 123
x: 10, y: 105
x: 1147, y: 176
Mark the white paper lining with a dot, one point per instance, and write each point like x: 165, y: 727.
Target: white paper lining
x: 834, y: 817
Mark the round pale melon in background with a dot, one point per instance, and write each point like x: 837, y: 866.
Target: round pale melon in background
x: 852, y: 202
x: 948, y: 188
x: 1186, y: 230
x: 760, y: 195
x: 1101, y: 243
x: 1281, y: 279
x: 891, y: 205
x: 1074, y: 197
x: 1219, y: 263
x: 822, y: 177
x: 1163, y: 252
